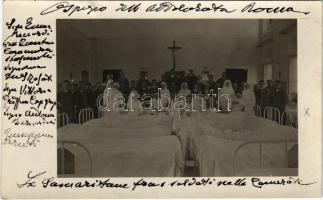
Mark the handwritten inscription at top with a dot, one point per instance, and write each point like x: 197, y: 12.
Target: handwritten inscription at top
x: 27, y: 82
x: 179, y: 7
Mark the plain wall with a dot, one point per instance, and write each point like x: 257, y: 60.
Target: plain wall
x: 135, y: 45
x: 281, y: 45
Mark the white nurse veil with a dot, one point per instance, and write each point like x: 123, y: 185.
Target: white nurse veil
x: 106, y: 92
x: 227, y: 89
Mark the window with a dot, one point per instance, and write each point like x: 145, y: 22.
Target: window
x: 292, y: 75
x: 268, y: 75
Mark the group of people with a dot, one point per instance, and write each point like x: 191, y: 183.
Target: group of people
x: 160, y: 97
x: 273, y: 95
x: 195, y: 83
x: 72, y: 97
x: 206, y: 89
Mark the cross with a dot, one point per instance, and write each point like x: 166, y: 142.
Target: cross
x: 174, y: 48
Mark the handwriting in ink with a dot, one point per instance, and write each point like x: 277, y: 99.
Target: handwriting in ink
x: 19, y: 59
x: 30, y: 180
x: 30, y: 77
x: 70, y: 9
x: 31, y: 25
x: 144, y: 183
x: 26, y: 122
x: 52, y: 182
x: 12, y: 68
x: 169, y: 6
x: 258, y: 183
x: 27, y: 96
x: 125, y: 8
x: 251, y: 8
x: 23, y: 139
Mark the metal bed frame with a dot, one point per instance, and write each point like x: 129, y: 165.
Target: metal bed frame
x: 62, y: 120
x: 260, y: 143
x: 85, y: 115
x: 63, y: 143
x: 289, y: 119
x: 272, y: 113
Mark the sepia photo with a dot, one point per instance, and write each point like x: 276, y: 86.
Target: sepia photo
x: 177, y: 97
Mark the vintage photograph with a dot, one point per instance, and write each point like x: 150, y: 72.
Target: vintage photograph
x: 176, y: 97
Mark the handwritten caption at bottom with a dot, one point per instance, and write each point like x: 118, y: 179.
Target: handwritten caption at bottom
x: 40, y: 180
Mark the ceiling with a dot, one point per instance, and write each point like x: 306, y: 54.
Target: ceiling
x: 147, y: 29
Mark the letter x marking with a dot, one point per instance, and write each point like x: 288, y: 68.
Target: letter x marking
x: 307, y: 111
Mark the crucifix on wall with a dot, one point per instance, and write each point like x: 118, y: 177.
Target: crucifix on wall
x: 173, y: 49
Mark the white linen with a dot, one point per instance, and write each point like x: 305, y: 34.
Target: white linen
x: 80, y: 131
x: 164, y: 99
x: 133, y: 120
x: 215, y: 137
x: 249, y: 99
x: 134, y: 104
x: 241, y: 126
x: 215, y: 156
x: 198, y: 103
x: 182, y: 97
x: 120, y: 152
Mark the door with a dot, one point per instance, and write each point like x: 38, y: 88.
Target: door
x: 237, y: 76
x: 113, y: 73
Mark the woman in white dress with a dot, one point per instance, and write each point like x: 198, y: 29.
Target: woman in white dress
x: 183, y: 96
x: 249, y: 99
x: 184, y: 91
x: 134, y: 104
x: 164, y: 95
x: 199, y: 101
x: 227, y: 96
x: 290, y: 117
x: 107, y: 92
x: 112, y: 95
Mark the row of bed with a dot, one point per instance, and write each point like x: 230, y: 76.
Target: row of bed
x: 160, y: 144
x: 237, y: 144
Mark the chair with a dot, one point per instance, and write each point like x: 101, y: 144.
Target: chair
x: 289, y: 118
x: 85, y: 115
x: 286, y: 171
x: 257, y: 110
x: 272, y: 113
x: 62, y: 120
x: 61, y: 157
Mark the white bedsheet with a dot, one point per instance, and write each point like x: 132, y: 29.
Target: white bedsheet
x: 215, y: 137
x: 115, y: 156
x: 215, y: 156
x: 138, y: 146
x: 133, y: 120
x: 237, y: 126
x: 81, y: 131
